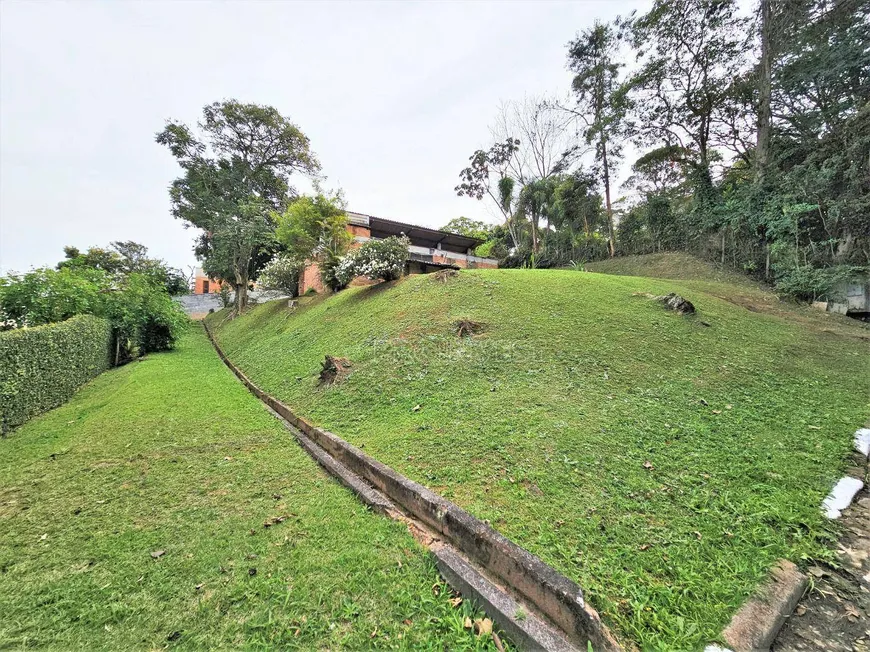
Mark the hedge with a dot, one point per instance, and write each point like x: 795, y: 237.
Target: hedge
x: 43, y: 366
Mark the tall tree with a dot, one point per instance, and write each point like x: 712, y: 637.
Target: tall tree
x: 762, y: 142
x: 690, y: 52
x: 601, y: 100
x: 532, y: 142
x: 488, y: 176
x: 236, y: 173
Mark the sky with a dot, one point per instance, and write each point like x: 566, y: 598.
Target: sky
x: 394, y: 97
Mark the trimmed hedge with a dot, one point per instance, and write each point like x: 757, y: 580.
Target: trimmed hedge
x: 43, y: 366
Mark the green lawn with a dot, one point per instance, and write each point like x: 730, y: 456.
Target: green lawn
x: 663, y: 464
x: 172, y: 454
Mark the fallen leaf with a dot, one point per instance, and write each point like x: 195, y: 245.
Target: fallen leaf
x: 157, y: 554
x: 483, y: 626
x: 800, y: 610
x: 852, y: 613
x: 43, y: 537
x: 436, y: 589
x: 374, y: 633
x: 416, y: 408
x: 815, y: 571
x: 467, y: 623
x: 407, y: 622
x: 729, y: 407
x: 645, y: 546
x: 274, y: 520
x: 198, y: 587
x: 697, y: 534
x: 717, y: 411
x: 814, y: 427
x: 648, y: 465
x: 456, y: 602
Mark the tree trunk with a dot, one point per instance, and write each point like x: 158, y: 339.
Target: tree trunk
x: 241, y: 285
x: 606, y: 170
x: 762, y: 144
x: 534, y: 235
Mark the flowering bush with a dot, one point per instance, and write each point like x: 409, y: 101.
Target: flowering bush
x: 375, y: 259
x: 330, y: 273
x: 281, y: 274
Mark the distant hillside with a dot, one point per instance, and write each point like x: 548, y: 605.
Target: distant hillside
x: 663, y: 462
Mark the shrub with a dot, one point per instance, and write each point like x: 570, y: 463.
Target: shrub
x: 42, y: 367
x: 137, y: 304
x: 813, y: 283
x: 144, y: 316
x: 331, y: 274
x: 375, y: 259
x: 226, y: 295
x: 281, y: 274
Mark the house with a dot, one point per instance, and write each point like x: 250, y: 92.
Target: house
x: 202, y: 284
x: 430, y: 249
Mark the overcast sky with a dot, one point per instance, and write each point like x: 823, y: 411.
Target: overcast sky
x: 394, y: 97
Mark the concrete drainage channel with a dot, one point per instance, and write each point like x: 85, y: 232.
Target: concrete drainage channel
x: 758, y: 622
x: 537, y: 607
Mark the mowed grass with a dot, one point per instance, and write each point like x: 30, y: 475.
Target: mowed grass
x: 661, y: 463
x: 172, y: 454
x: 670, y: 265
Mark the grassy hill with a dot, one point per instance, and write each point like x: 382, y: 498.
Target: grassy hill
x: 671, y: 265
x: 172, y: 458
x: 662, y: 463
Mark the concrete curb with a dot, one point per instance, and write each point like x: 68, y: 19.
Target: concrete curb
x: 755, y: 626
x: 555, y: 597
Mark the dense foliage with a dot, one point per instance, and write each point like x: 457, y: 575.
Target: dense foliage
x: 314, y: 229
x: 235, y: 177
x: 754, y: 141
x: 125, y: 258
x: 41, y: 368
x: 143, y: 316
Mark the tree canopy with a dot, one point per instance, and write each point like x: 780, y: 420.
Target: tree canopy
x: 236, y: 175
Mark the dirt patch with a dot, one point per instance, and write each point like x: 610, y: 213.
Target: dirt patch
x: 334, y: 370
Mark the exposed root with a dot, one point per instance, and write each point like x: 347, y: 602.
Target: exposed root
x: 445, y: 275
x: 467, y: 328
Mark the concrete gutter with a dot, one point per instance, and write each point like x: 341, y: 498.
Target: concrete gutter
x: 538, y: 607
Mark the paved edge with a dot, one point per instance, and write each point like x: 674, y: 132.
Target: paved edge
x: 558, y: 599
x: 755, y: 626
